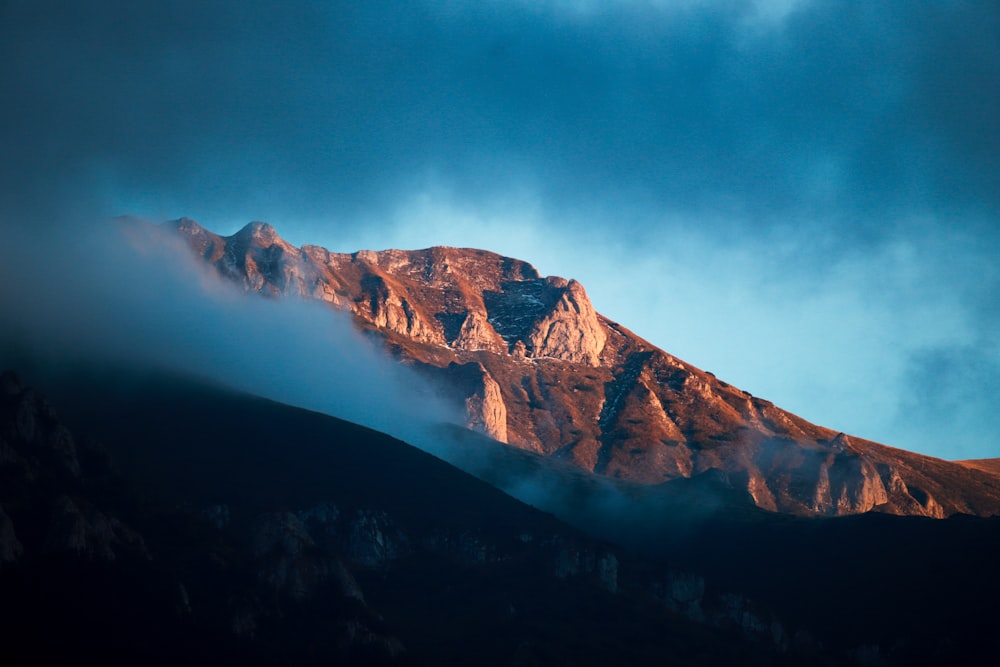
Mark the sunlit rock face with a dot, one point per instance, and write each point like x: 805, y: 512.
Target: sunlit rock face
x: 533, y: 364
x: 570, y: 329
x: 484, y: 407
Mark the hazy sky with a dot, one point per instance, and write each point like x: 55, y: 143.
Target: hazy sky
x: 801, y: 196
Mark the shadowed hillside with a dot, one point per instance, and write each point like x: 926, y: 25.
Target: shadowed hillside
x: 272, y: 532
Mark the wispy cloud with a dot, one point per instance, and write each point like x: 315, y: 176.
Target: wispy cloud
x: 96, y: 300
x: 848, y: 151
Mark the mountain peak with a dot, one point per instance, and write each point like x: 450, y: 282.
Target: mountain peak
x: 261, y: 233
x: 185, y: 225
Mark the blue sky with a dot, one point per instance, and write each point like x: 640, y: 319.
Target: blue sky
x: 802, y: 197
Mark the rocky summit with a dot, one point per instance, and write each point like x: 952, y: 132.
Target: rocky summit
x: 536, y: 367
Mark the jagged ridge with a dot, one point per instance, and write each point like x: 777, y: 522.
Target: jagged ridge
x: 535, y: 366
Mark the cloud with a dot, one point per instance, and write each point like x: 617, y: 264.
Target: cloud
x: 317, y: 109
x: 94, y: 300
x: 794, y: 148
x: 948, y: 385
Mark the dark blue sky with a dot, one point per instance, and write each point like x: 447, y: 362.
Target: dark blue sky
x: 800, y: 196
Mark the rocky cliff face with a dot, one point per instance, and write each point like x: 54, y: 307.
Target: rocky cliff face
x: 535, y: 366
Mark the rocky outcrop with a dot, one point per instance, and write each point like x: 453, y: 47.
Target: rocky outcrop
x: 385, y: 308
x: 88, y: 532
x: 485, y: 409
x: 571, y: 560
x: 476, y: 333
x: 207, y: 245
x: 570, y: 330
x: 374, y: 540
x: 262, y: 260
x: 848, y: 484
x: 290, y: 562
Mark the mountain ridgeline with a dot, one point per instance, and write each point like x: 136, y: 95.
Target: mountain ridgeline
x: 536, y: 367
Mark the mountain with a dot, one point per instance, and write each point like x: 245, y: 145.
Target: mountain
x: 159, y: 520
x: 536, y: 367
x: 154, y: 519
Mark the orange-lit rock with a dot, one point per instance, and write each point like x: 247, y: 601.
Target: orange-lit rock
x: 540, y: 369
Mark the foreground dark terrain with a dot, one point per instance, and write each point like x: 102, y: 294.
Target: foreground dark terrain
x: 155, y: 520
x: 268, y: 535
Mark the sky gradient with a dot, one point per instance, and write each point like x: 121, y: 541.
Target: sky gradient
x: 802, y: 197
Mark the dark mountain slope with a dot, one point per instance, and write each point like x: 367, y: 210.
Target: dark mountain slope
x: 449, y: 568
x: 279, y: 536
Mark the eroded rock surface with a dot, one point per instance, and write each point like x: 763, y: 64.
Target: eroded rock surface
x: 538, y: 368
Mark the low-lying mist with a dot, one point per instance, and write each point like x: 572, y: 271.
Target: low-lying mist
x: 122, y: 295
